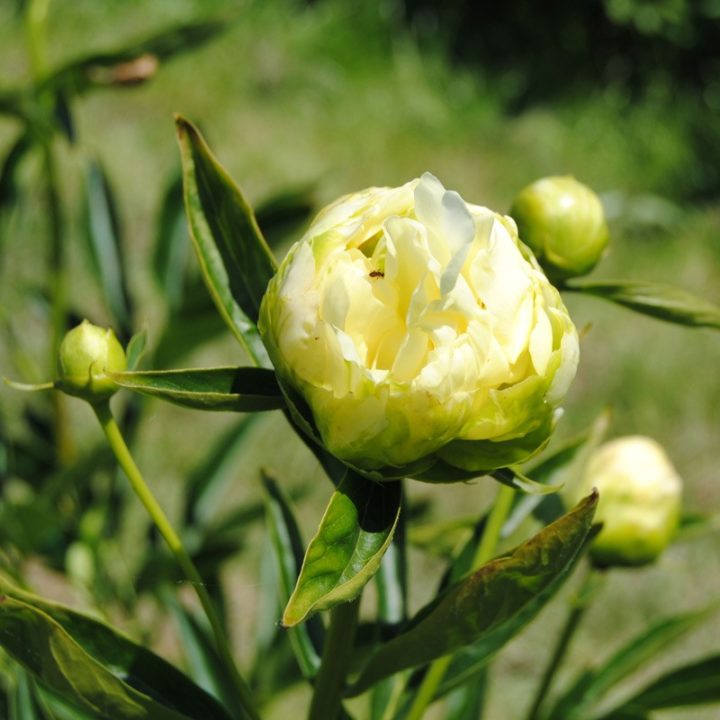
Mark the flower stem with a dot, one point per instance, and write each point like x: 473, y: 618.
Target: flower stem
x: 580, y: 604
x: 337, y: 654
x: 144, y: 494
x: 485, y: 551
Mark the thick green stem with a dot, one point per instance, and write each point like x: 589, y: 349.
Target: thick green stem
x: 493, y: 528
x: 143, y: 492
x: 579, y: 606
x: 485, y: 551
x: 337, y: 654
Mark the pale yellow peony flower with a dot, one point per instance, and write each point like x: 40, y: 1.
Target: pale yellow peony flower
x: 420, y: 332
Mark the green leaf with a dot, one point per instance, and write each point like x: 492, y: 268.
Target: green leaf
x: 12, y: 103
x: 194, y: 323
x: 466, y: 702
x: 306, y: 639
x: 77, y: 667
x: 22, y: 703
x: 443, y: 537
x: 136, y: 348
x: 205, y: 666
x: 695, y: 684
x: 172, y: 243
x: 659, y: 301
x: 11, y: 166
x: 281, y: 216
x: 354, y: 534
x: 234, y: 257
x: 105, y: 244
x: 132, y: 64
x: 590, y: 687
x: 236, y: 389
x: 486, y: 609
x: 391, y: 584
x: 129, y: 661
x: 205, y: 496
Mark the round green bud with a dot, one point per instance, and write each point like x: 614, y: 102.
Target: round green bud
x: 563, y: 223
x: 640, y: 501
x: 87, y: 354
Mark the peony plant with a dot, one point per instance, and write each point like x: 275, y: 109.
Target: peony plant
x: 407, y: 334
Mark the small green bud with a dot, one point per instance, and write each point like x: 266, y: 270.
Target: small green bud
x: 87, y: 354
x: 640, y: 501
x: 563, y: 223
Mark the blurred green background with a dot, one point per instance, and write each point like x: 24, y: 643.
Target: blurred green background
x: 328, y: 97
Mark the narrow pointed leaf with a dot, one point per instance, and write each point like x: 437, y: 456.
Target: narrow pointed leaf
x: 590, y: 687
x: 11, y: 166
x: 104, y: 237
x: 136, y: 348
x: 131, y: 662
x: 243, y: 389
x: 172, y: 245
x: 235, y: 259
x: 694, y: 684
x: 133, y: 64
x: 391, y: 584
x: 354, y: 534
x: 204, y: 664
x: 205, y: 488
x: 466, y: 702
x: 47, y: 650
x: 306, y: 639
x: 659, y: 301
x: 486, y: 609
x: 281, y: 216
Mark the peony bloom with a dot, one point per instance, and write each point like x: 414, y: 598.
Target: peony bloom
x: 639, y: 504
x: 563, y: 223
x: 421, y: 333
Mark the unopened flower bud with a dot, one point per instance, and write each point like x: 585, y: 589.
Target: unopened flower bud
x: 640, y: 499
x: 87, y: 354
x: 563, y: 223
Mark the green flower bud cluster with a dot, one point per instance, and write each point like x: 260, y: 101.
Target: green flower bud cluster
x: 87, y: 354
x: 563, y: 223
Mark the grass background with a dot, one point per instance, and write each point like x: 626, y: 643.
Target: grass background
x: 339, y: 96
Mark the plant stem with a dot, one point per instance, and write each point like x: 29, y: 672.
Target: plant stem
x: 493, y: 528
x: 143, y: 492
x: 485, y: 551
x: 337, y: 654
x: 579, y: 605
